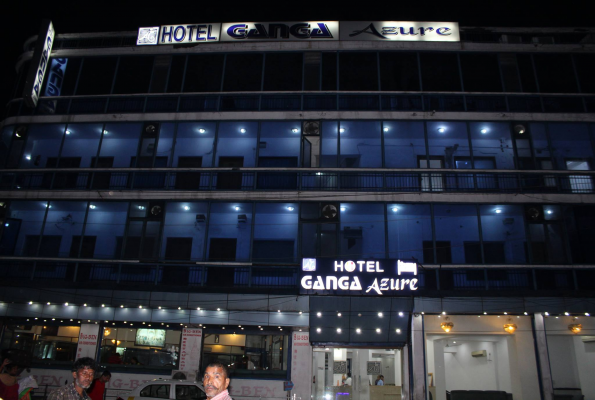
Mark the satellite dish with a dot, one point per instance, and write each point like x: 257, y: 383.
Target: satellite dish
x: 329, y: 211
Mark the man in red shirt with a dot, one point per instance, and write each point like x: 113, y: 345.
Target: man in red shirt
x: 98, y: 388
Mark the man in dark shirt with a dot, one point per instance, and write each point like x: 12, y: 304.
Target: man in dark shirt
x: 83, y: 372
x: 98, y: 388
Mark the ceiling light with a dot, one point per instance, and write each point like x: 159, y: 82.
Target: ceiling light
x: 395, y: 209
x: 28, y: 157
x: 575, y: 328
x: 278, y: 310
x: 587, y: 314
x: 186, y: 208
x: 319, y: 314
x: 242, y: 130
x: 385, y: 129
x: 343, y: 208
x: 290, y: 208
x: 549, y: 211
x: 30, y: 302
x: 92, y: 206
x: 447, y: 326
x: 377, y: 330
x: 498, y: 211
x: 380, y: 314
x: 85, y: 304
x: 140, y: 306
x: 441, y: 130
x: 358, y: 330
x: 398, y: 330
x: 510, y: 327
x: 67, y: 132
x: 218, y: 309
x: 400, y: 313
x: 443, y: 312
x: 341, y: 130
x: 484, y: 130
x: 485, y: 313
x: 198, y: 308
x: 526, y: 313
x: 105, y: 132
x: 547, y: 313
x: 49, y: 303
x: 300, y: 313
x: 338, y: 330
x: 453, y: 342
x: 295, y: 130
x: 236, y: 208
x: 202, y: 130
x: 566, y: 313
x: 318, y: 330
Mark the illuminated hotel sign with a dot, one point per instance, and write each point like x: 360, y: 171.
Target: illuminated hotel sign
x: 39, y: 64
x: 178, y: 34
x: 353, y: 277
x: 279, y: 31
x: 401, y: 31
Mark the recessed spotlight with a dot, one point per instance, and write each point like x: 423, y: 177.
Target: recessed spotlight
x: 377, y: 330
x: 290, y: 208
x: 358, y: 330
x: 121, y: 305
x: 278, y: 310
x: 338, y: 330
x: 67, y: 132
x: 49, y: 303
x: 400, y: 313
x: 318, y: 330
x: 341, y: 130
x: 343, y: 208
x: 218, y: 309
x: 236, y: 208
x: 443, y: 312
x: 105, y: 132
x: 140, y: 306
x: 566, y: 313
x: 546, y: 313
x: 549, y: 211
x: 395, y: 209
x: 484, y: 131
x: 295, y: 130
x: 242, y: 130
x: 385, y: 129
x: 300, y: 313
x: 202, y: 130
x: 441, y: 130
x: 587, y: 314
x: 485, y: 313
x: 380, y: 314
x: 28, y: 157
x: 186, y: 208
x: 338, y: 314
x: 66, y: 304
x: 498, y: 211
x: 30, y: 302
x: 319, y: 314
x: 92, y: 206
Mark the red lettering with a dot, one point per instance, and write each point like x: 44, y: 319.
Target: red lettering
x: 258, y: 391
x: 116, y: 384
x: 269, y: 390
x: 133, y: 384
x: 246, y: 391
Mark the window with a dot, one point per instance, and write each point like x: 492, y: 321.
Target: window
x: 503, y: 232
x: 184, y: 231
x: 448, y: 140
x: 275, y: 233
x: 120, y: 143
x: 312, y: 62
x: 329, y: 144
x: 106, y: 222
x: 579, y: 222
x: 510, y: 72
x: 49, y: 345
x: 283, y: 71
x: 358, y: 71
x: 440, y: 72
x: 229, y: 232
x: 403, y: 143
x: 158, y: 391
x: 43, y: 145
x: 134, y: 75
x: 176, y: 74
x: 360, y: 144
x: 555, y: 73
x: 21, y: 236
x: 65, y: 219
x: 96, y: 76
x: 194, y: 140
x: 585, y: 64
x: 237, y: 140
x: 203, y: 73
x: 492, y: 140
x: 362, y: 230
x: 457, y: 228
x: 480, y: 73
x: 243, y: 72
x: 279, y: 144
x: 82, y: 140
x: 410, y: 231
x: 399, y: 71
x: 329, y: 71
x: 527, y: 73
x: 571, y: 142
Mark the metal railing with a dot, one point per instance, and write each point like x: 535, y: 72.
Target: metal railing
x: 299, y: 179
x: 300, y: 101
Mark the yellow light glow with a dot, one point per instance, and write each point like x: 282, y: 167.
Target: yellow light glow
x: 575, y: 328
x: 510, y: 328
x: 447, y: 326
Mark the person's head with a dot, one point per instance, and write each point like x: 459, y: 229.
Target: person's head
x: 106, y: 376
x: 83, y: 372
x: 215, y: 379
x: 134, y: 360
x: 381, y: 377
x: 13, y: 370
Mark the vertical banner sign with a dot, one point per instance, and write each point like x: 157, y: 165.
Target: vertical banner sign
x: 190, y: 349
x: 301, y: 364
x: 88, y: 341
x: 53, y: 88
x: 39, y: 63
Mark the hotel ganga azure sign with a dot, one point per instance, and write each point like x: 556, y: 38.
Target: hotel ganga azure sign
x: 299, y: 31
x: 358, y: 277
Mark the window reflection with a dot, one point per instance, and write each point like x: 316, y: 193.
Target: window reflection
x: 404, y: 143
x: 410, y: 232
x: 457, y: 234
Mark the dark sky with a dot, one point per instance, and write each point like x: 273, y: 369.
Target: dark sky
x: 21, y: 18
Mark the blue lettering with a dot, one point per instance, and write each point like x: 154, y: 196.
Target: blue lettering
x: 199, y: 31
x: 164, y: 32
x: 176, y: 33
x: 282, y: 28
x: 209, y: 37
x: 411, y: 31
x: 259, y: 33
x: 423, y: 30
x: 237, y: 31
x: 300, y: 31
x: 443, y: 31
x: 190, y: 28
x: 321, y: 32
x: 389, y: 30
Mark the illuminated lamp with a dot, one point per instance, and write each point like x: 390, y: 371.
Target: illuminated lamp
x: 575, y: 328
x: 510, y: 327
x: 107, y: 331
x: 447, y: 326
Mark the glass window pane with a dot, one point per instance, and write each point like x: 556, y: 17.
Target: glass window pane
x: 312, y: 62
x: 399, y: 71
x: 7, y: 133
x: 43, y: 146
x: 457, y: 234
x: 71, y: 73
x: 194, y: 144
x: 119, y: 145
x: 555, y: 73
x: 243, y: 73
x: 96, y: 75
x: 404, y: 143
x: 203, y: 73
x: 410, y: 232
x: 184, y: 231
x: 571, y: 146
x: 236, y: 146
x: 585, y: 65
x: 229, y: 232
x: 275, y: 233
x: 447, y: 141
x: 134, y: 74
x: 527, y: 73
x: 492, y: 145
x: 440, y: 72
x: 81, y: 142
x: 63, y: 228
x: 362, y: 230
x: 579, y: 221
x: 358, y: 71
x: 541, y: 148
x: 21, y: 236
x: 510, y: 72
x: 176, y: 74
x: 329, y: 71
x: 328, y: 146
x: 503, y: 232
x: 283, y: 71
x: 480, y: 73
x: 105, y: 226
x: 279, y: 144
x: 164, y: 145
x: 360, y: 144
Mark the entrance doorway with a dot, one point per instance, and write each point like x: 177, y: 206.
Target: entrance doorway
x: 341, y: 373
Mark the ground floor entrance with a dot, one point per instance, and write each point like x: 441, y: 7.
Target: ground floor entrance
x: 345, y: 373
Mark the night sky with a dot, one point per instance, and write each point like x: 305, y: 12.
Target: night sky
x: 21, y: 19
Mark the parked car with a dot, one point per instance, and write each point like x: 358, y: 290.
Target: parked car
x: 172, y: 389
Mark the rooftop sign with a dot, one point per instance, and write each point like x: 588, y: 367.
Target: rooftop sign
x: 39, y: 63
x: 299, y: 31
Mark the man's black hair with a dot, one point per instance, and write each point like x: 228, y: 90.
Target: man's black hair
x: 82, y: 363
x: 216, y: 364
x: 106, y: 373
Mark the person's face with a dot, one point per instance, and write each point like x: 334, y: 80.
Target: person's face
x: 214, y: 381
x: 84, y: 377
x: 14, y: 371
x: 105, y: 378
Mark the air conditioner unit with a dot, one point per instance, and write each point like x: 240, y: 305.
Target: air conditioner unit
x: 480, y: 353
x: 352, y: 233
x: 311, y: 128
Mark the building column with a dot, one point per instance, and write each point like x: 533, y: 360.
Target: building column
x: 543, y: 358
x: 405, y: 394
x: 417, y: 358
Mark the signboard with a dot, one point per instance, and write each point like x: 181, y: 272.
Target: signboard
x: 279, y: 31
x: 190, y: 349
x: 88, y: 341
x: 301, y: 364
x: 53, y: 87
x: 357, y: 277
x: 178, y: 34
x: 39, y: 63
x: 401, y: 30
x: 287, y: 386
x: 150, y: 337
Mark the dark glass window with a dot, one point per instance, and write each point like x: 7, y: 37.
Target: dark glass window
x: 358, y: 71
x: 404, y: 143
x: 283, y: 71
x: 457, y: 229
x: 585, y: 65
x: 134, y: 75
x: 243, y: 72
x: 275, y: 233
x: 359, y: 236
x: 360, y: 144
x: 440, y: 72
x: 555, y: 73
x: 203, y: 73
x: 229, y: 234
x: 510, y: 72
x: 176, y: 74
x: 480, y: 73
x: 329, y: 71
x: 312, y: 70
x: 503, y: 233
x: 399, y: 71
x: 67, y: 219
x: 22, y: 228
x: 106, y: 222
x: 184, y: 231
x: 409, y: 228
x: 71, y: 74
x: 97, y: 75
x: 160, y: 71
x: 527, y: 73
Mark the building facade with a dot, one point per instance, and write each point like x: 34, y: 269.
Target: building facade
x: 306, y: 204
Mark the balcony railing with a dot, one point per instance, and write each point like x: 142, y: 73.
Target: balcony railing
x: 300, y: 101
x: 193, y: 277
x: 425, y: 180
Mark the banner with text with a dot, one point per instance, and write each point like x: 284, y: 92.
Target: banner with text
x: 190, y: 349
x: 301, y: 364
x: 88, y: 341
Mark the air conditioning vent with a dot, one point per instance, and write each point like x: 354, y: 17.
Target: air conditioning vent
x: 311, y: 128
x: 329, y: 212
x: 150, y: 128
